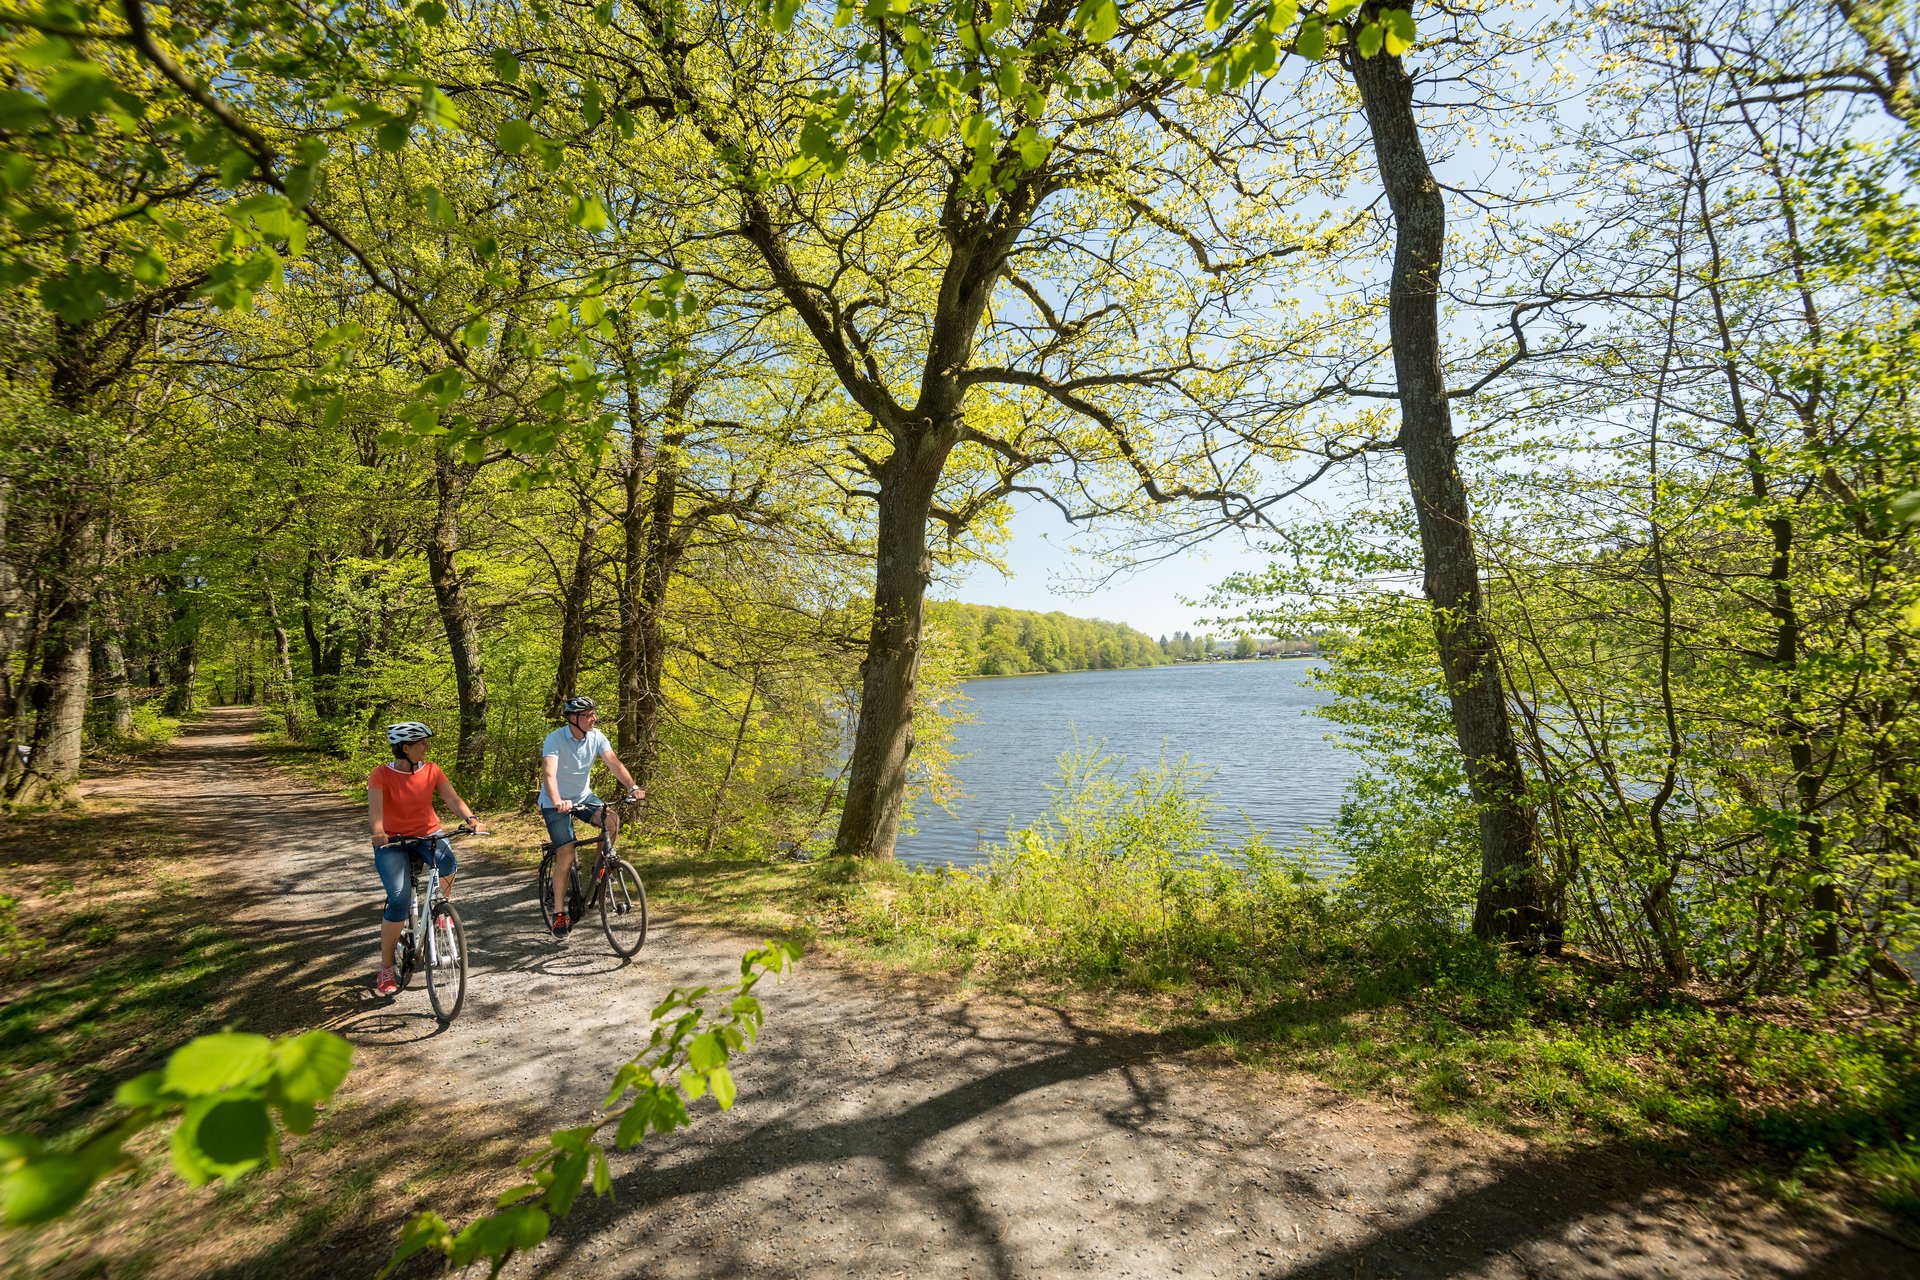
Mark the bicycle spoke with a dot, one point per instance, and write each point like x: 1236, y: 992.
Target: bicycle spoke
x: 623, y: 908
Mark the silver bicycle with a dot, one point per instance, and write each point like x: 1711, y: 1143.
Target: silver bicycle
x: 434, y: 942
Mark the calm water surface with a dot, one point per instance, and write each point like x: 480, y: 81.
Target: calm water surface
x: 1252, y: 723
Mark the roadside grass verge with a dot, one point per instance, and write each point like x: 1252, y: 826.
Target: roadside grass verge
x: 1254, y: 956
x: 115, y: 948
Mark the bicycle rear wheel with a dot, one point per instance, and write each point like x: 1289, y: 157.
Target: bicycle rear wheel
x: 623, y: 909
x: 543, y: 887
x: 446, y: 962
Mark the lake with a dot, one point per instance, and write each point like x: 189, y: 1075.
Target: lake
x: 1252, y: 723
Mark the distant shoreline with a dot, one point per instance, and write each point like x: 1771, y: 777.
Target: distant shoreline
x: 1087, y: 671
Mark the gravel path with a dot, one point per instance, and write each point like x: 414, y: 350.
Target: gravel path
x: 881, y: 1131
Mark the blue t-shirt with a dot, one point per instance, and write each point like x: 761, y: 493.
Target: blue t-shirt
x: 573, y: 763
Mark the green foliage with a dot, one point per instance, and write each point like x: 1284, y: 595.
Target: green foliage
x: 1005, y: 642
x: 685, y: 1060
x: 228, y: 1096
x: 1124, y: 879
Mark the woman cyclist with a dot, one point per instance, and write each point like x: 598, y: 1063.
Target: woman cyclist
x: 400, y: 807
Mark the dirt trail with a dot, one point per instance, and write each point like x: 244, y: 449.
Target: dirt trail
x: 880, y: 1133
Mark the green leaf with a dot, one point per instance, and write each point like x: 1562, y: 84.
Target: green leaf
x: 222, y: 1138
x: 1369, y: 39
x: 1034, y: 149
x: 1400, y: 32
x: 1103, y: 21
x: 569, y: 1175
x: 309, y: 1067
x: 431, y: 12
x: 41, y: 1189
x: 516, y: 136
x: 78, y: 90
x: 142, y: 1091
x: 1906, y: 507
x: 1312, y: 40
x: 587, y: 213
x: 216, y: 1062
x: 236, y: 167
x: 20, y: 112
x: 45, y: 52
x: 298, y: 1117
x: 506, y: 67
x: 392, y: 135
x: 1218, y: 11
x: 602, y: 1172
x: 512, y: 1230
x: 720, y: 1080
x: 473, y: 450
x: 705, y: 1052
x: 424, y: 1231
x: 16, y: 172
x: 438, y: 108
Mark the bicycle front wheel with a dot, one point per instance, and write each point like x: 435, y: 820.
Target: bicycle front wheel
x: 623, y: 909
x: 446, y: 963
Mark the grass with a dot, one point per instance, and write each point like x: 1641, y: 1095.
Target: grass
x: 108, y: 961
x: 1808, y: 1100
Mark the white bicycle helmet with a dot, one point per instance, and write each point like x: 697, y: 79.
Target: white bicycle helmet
x: 407, y: 731
x: 576, y: 705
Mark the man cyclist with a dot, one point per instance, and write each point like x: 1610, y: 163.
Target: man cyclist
x: 400, y: 808
x: 566, y: 768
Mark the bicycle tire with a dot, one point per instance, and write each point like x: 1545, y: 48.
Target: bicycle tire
x: 446, y: 974
x: 543, y: 887
x: 623, y: 909
x: 403, y: 959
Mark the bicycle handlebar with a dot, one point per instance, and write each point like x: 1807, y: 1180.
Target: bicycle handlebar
x: 462, y: 830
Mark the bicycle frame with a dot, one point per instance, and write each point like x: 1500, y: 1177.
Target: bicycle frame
x: 596, y: 879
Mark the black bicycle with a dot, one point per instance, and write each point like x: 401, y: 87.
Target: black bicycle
x: 434, y: 941
x: 612, y: 886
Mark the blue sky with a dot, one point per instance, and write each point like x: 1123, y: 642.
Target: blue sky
x: 1049, y: 571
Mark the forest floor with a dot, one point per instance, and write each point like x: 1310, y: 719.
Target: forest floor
x: 886, y: 1125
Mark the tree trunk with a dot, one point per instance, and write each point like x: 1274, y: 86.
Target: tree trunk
x: 114, y: 685
x: 456, y: 613
x: 652, y: 546
x: 573, y: 614
x: 1510, y: 905
x: 883, y: 740
x: 288, y: 693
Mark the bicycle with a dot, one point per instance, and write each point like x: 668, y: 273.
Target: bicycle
x: 433, y: 932
x: 614, y: 886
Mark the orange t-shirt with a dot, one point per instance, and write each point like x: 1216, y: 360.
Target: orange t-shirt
x: 408, y: 807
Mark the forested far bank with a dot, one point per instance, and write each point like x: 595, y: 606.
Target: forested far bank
x: 990, y: 641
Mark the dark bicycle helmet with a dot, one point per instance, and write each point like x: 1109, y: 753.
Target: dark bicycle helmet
x: 407, y: 731
x: 575, y: 705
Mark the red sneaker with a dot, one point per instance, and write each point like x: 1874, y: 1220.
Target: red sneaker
x: 386, y: 982
x: 562, y: 925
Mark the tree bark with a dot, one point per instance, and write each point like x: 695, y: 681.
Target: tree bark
x: 456, y: 613
x: 1510, y: 905
x: 288, y: 693
x: 573, y: 614
x: 883, y: 740
x: 111, y: 660
x: 653, y: 545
